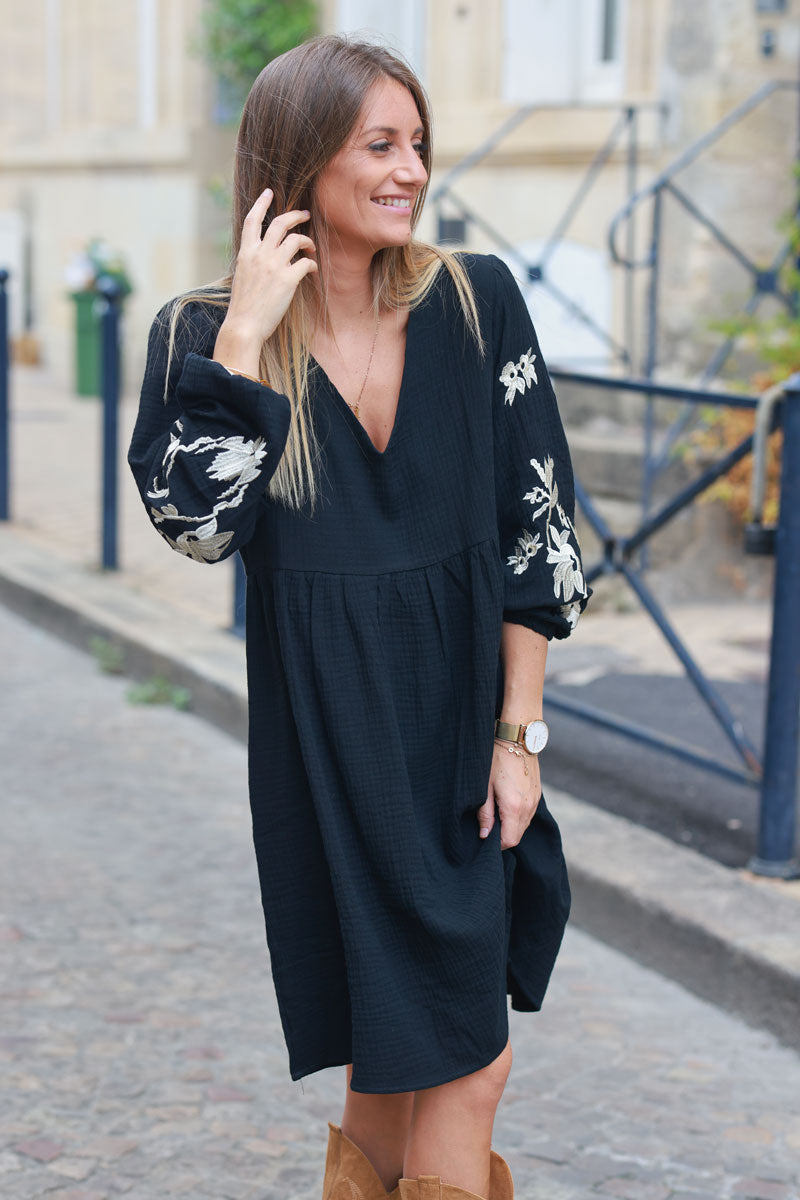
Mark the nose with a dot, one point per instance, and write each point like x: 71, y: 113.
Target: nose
x: 410, y: 168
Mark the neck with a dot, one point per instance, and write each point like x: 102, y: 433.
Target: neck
x: 349, y: 299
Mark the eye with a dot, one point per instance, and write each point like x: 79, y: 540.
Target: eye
x: 420, y: 147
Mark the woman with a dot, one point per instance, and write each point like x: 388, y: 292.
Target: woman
x: 368, y: 420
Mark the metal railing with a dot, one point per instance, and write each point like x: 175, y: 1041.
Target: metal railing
x: 776, y: 774
x: 764, y: 282
x: 4, y: 430
x: 623, y: 135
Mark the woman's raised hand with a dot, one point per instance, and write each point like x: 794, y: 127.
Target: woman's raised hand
x: 265, y: 278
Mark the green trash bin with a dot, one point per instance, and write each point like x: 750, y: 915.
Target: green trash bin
x: 87, y: 345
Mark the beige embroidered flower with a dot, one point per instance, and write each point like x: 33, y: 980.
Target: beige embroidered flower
x: 516, y: 377
x: 567, y: 575
x: 528, y: 546
x: 561, y: 540
x: 204, y: 544
x: 236, y: 461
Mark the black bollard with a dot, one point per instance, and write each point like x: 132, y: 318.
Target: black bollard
x: 110, y: 291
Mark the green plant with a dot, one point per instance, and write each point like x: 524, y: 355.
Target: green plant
x: 158, y: 690
x: 239, y: 37
x: 109, y: 655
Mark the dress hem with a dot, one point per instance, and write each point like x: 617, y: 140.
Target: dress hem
x: 406, y: 1087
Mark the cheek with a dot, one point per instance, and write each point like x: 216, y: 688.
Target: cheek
x: 338, y: 199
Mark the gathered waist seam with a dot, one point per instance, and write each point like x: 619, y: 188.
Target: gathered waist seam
x: 267, y: 569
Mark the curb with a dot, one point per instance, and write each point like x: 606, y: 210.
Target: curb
x: 77, y: 603
x: 728, y: 936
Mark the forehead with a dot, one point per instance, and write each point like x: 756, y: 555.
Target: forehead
x: 388, y: 103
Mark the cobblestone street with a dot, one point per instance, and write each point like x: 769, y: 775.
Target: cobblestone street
x: 140, y: 1046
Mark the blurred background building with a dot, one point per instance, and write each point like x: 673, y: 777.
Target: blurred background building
x: 113, y: 125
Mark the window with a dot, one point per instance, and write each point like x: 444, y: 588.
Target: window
x: 560, y: 51
x: 399, y: 23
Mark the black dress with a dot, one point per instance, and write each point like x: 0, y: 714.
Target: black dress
x: 395, y: 933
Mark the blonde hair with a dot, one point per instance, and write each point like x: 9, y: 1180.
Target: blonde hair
x: 299, y: 113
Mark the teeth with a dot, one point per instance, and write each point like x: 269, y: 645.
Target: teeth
x: 394, y: 203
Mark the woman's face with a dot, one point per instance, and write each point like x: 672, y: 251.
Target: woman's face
x: 379, y: 162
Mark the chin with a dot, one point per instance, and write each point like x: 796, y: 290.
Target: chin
x: 401, y: 237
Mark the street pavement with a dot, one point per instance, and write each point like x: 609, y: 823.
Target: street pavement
x: 140, y: 1046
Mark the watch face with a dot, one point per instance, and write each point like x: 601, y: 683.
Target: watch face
x: 536, y: 735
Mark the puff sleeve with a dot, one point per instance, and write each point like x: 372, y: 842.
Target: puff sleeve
x: 202, y: 459
x: 545, y: 588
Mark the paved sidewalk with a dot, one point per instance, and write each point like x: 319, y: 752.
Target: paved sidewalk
x: 141, y: 1052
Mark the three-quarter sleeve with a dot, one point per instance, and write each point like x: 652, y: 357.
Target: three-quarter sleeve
x: 202, y: 459
x: 545, y: 588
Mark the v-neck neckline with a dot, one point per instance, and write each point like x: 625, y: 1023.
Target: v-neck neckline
x: 360, y: 430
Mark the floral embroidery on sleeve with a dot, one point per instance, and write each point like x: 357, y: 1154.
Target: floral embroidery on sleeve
x: 516, y: 377
x: 568, y: 578
x: 236, y: 461
x: 571, y: 613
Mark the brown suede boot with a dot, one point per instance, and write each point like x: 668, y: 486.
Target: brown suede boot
x: 349, y: 1175
x: 430, y: 1187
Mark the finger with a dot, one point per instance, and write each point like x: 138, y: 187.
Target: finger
x: 486, y: 817
x: 294, y: 242
x: 257, y: 214
x: 280, y: 225
x: 512, y: 821
x: 510, y: 833
x: 306, y: 266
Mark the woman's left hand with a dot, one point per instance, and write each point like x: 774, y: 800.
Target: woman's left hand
x: 516, y: 795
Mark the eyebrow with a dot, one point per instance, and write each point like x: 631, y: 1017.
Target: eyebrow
x: 389, y: 129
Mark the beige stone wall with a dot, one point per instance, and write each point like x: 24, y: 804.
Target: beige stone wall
x: 80, y: 158
x: 711, y: 63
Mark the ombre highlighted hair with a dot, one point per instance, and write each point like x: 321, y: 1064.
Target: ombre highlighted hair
x: 301, y: 110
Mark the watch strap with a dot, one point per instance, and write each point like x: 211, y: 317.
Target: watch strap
x: 509, y: 732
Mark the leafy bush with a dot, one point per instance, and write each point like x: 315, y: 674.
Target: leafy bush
x: 239, y: 37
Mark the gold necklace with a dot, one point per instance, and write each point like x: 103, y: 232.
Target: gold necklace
x: 369, y: 364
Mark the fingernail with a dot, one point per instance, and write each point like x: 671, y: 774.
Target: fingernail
x: 484, y: 833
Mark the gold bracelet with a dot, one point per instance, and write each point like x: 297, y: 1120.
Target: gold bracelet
x: 235, y: 372
x: 513, y: 750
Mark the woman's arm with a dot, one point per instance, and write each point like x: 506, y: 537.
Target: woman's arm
x: 202, y: 460
x: 523, y: 653
x: 544, y: 587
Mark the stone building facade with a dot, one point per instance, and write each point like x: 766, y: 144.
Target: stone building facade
x: 111, y: 125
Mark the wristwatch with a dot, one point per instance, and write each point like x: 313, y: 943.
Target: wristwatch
x: 532, y: 737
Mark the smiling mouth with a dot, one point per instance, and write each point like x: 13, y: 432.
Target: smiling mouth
x: 403, y: 205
